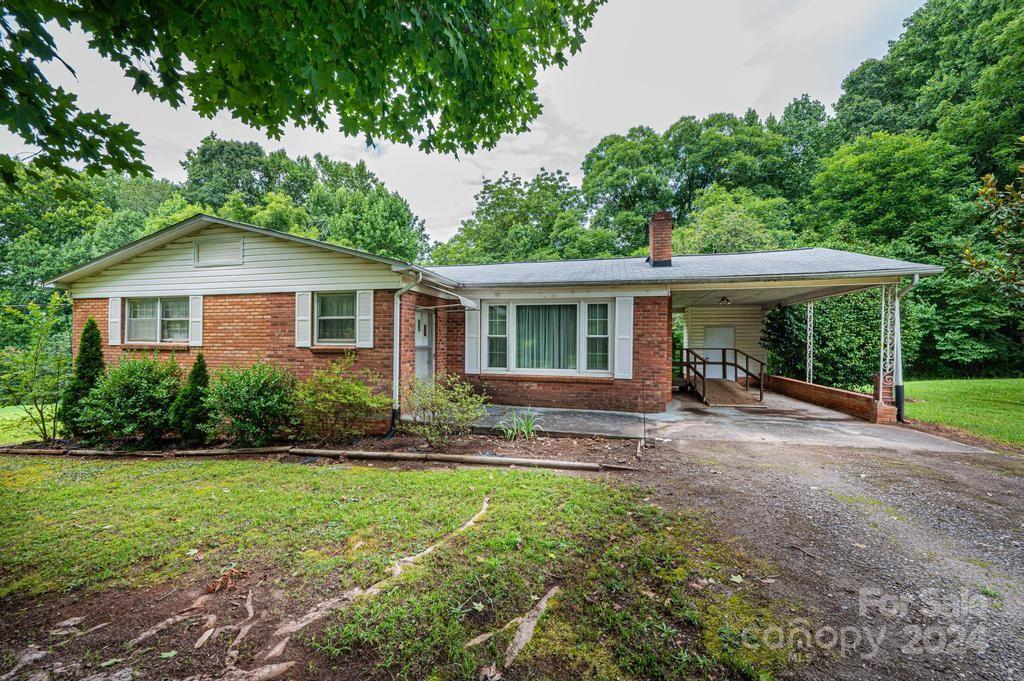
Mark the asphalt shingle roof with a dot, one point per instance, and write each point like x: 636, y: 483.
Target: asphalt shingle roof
x: 803, y: 263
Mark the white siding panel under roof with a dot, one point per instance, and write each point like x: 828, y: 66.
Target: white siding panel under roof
x: 269, y: 265
x: 746, y: 320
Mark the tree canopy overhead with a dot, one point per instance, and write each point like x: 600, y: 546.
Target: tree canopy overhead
x: 452, y: 77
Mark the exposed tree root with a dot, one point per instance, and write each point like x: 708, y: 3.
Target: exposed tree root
x: 182, y: 615
x: 30, y: 656
x: 525, y: 627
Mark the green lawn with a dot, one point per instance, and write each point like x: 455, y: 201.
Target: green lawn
x: 15, y: 427
x: 627, y: 609
x: 991, y: 408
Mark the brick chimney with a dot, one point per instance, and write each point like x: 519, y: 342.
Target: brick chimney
x: 659, y: 235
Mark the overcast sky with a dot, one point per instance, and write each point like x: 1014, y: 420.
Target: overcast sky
x: 644, y: 62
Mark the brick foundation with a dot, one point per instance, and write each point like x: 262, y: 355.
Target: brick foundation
x: 241, y: 330
x: 855, y: 404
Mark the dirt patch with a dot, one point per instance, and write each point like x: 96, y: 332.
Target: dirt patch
x: 588, y: 449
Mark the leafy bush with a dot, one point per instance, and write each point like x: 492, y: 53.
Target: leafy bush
x: 189, y: 413
x: 131, y: 405
x: 443, y: 408
x: 89, y: 367
x: 35, y: 375
x: 250, y: 406
x: 335, y: 405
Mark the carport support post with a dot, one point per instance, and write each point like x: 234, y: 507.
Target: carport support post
x: 810, y: 342
x: 897, y: 368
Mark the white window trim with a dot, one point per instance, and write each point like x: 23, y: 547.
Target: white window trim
x: 608, y: 306
x: 510, y: 343
x: 159, y: 321
x: 354, y: 317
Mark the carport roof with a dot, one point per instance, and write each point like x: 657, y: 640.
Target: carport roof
x: 762, y: 266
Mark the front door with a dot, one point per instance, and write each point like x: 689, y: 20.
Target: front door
x: 424, y: 344
x: 716, y: 340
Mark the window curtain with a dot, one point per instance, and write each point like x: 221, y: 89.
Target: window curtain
x: 546, y: 336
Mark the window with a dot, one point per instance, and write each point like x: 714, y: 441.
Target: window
x: 546, y: 336
x: 336, y: 317
x: 497, y: 336
x: 157, y: 320
x: 597, y: 336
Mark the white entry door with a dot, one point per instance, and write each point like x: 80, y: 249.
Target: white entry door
x: 424, y: 344
x: 716, y: 340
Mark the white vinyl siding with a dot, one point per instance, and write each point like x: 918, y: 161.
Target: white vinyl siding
x: 270, y: 265
x: 746, y: 319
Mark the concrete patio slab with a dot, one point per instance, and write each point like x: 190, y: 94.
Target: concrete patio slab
x: 777, y: 420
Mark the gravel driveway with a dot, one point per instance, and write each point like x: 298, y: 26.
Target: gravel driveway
x: 905, y: 549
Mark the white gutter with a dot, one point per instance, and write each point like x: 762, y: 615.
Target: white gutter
x: 396, y: 342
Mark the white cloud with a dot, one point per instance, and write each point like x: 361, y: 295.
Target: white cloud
x: 645, y: 62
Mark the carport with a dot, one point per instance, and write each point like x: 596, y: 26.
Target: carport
x: 721, y: 360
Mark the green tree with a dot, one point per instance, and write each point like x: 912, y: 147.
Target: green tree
x: 450, y: 77
x: 542, y: 218
x: 625, y: 179
x: 189, y: 414
x: 957, y: 69
x: 35, y: 376
x: 729, y: 222
x: 1001, y: 261
x: 89, y: 366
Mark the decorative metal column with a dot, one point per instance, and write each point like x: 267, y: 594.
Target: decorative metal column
x: 889, y: 338
x: 810, y: 342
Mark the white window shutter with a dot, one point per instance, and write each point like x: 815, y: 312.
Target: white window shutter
x: 303, y: 315
x: 472, y: 341
x: 195, y: 321
x: 364, y: 319
x: 624, y: 337
x: 114, y: 321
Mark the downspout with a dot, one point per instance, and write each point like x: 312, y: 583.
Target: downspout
x: 396, y: 342
x: 898, y: 350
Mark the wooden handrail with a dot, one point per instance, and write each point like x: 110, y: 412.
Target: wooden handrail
x: 723, y: 362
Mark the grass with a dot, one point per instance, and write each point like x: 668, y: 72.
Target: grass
x: 15, y: 427
x: 992, y: 408
x: 628, y: 609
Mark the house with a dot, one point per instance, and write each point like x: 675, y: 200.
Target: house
x: 592, y: 334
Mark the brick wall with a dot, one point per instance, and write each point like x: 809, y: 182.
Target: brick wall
x: 855, y: 404
x: 240, y: 330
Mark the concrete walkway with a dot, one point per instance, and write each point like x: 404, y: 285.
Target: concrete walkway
x: 777, y: 420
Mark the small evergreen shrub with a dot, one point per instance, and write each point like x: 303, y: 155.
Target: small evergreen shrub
x: 130, y: 406
x: 443, y: 408
x: 89, y: 367
x: 250, y: 406
x: 335, y: 405
x: 189, y: 413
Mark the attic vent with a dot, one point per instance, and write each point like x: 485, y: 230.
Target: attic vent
x: 217, y: 250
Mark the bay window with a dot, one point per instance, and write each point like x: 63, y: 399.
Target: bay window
x: 336, y: 317
x: 563, y: 337
x: 157, y: 320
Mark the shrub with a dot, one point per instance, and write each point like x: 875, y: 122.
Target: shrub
x: 443, y: 408
x: 89, y: 367
x: 250, y: 406
x: 131, y: 405
x: 335, y: 405
x: 189, y: 413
